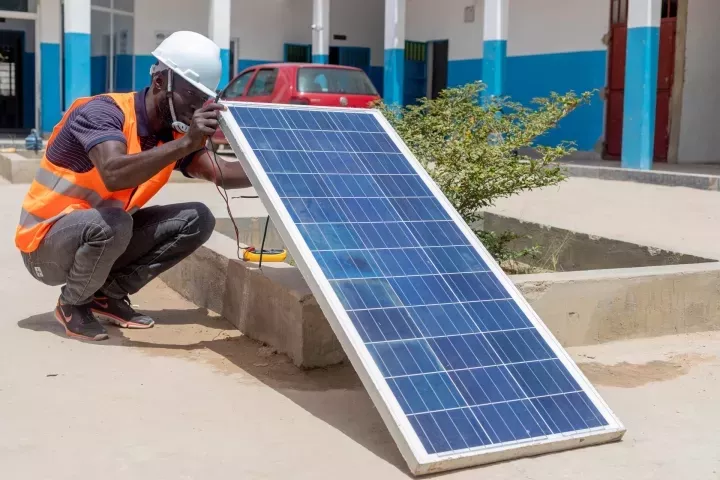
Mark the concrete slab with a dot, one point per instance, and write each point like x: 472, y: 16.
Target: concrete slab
x: 193, y: 399
x: 564, y: 250
x: 671, y: 218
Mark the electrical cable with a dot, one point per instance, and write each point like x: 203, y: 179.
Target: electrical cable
x: 226, y: 199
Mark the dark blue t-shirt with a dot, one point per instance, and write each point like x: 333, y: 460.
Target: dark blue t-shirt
x: 97, y: 121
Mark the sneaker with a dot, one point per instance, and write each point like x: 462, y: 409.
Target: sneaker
x: 119, y: 312
x: 79, y: 322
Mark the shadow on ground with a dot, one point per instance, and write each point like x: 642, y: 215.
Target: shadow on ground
x: 334, y: 395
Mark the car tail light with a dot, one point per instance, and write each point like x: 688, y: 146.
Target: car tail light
x: 299, y: 101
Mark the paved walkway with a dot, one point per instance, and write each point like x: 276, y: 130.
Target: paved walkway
x: 675, y: 218
x: 193, y: 399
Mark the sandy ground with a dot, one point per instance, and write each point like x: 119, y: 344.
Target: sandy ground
x: 193, y: 399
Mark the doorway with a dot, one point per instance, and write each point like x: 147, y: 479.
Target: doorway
x: 616, y: 78
x: 11, y: 80
x: 438, y: 61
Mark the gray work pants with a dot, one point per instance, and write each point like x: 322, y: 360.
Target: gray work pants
x: 113, y: 253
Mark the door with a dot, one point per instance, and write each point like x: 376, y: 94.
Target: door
x: 11, y: 92
x: 358, y: 57
x: 438, y: 68
x: 297, y: 53
x: 616, y: 78
x: 415, y: 71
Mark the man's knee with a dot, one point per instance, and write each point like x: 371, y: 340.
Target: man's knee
x: 112, y: 225
x: 203, y: 221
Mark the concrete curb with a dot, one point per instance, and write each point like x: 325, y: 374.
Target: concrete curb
x: 653, y: 177
x: 275, y: 305
x: 16, y: 168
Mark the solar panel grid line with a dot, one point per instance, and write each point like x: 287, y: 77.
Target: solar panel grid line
x: 393, y: 413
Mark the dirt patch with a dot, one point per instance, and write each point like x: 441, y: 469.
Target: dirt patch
x: 631, y: 375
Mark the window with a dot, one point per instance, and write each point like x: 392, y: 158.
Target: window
x: 237, y: 88
x: 264, y: 83
x: 334, y: 80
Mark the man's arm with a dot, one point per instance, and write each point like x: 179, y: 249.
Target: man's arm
x: 203, y: 167
x: 120, y: 171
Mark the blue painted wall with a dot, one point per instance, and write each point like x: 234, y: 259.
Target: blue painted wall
x: 247, y: 63
x: 142, y: 70
x: 462, y: 72
x: 376, y: 75
x: 50, y: 86
x: 123, y: 73
x: 530, y: 76
x: 98, y: 74
x: 537, y: 75
x: 77, y: 66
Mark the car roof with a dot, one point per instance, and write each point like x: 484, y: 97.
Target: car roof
x: 303, y: 65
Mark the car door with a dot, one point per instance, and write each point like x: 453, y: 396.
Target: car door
x: 237, y: 89
x: 263, y: 85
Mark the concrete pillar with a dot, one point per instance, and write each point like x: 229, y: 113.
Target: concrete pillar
x: 394, y: 52
x: 50, y: 32
x: 321, y: 32
x: 77, y: 50
x: 495, y: 29
x: 220, y: 34
x: 641, y: 71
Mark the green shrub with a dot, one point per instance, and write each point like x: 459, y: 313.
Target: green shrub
x: 470, y: 147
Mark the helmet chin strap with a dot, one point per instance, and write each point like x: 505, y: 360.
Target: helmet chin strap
x: 177, y: 125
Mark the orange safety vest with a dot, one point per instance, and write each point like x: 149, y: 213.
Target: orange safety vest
x: 57, y: 191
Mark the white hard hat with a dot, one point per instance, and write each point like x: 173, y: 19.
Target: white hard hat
x: 194, y: 57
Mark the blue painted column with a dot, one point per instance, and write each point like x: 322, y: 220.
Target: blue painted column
x: 495, y: 28
x: 220, y: 34
x: 50, y: 32
x: 77, y: 50
x: 641, y: 71
x: 393, y: 90
x: 321, y: 32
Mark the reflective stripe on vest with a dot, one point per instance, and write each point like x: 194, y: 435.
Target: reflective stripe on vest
x: 56, y: 191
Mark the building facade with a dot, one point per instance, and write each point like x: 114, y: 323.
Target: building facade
x: 650, y: 61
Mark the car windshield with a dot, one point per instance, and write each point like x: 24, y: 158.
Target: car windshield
x: 334, y: 80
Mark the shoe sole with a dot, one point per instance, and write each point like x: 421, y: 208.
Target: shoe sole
x: 119, y: 321
x: 97, y: 338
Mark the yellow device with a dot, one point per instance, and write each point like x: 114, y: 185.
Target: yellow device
x: 271, y: 255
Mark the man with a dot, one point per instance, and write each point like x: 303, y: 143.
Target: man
x: 83, y: 223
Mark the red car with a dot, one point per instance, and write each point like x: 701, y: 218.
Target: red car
x: 299, y: 83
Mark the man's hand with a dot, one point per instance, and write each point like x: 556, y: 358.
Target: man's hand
x: 203, y: 125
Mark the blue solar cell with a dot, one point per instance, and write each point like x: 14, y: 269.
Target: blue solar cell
x: 465, y: 363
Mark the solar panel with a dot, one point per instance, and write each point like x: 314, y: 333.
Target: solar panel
x: 458, y: 364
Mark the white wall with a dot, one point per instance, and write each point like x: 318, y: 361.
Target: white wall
x: 700, y: 122
x: 298, y: 18
x: 363, y: 22
x: 258, y: 24
x: 153, y: 16
x: 428, y: 20
x: 557, y: 26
